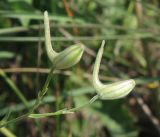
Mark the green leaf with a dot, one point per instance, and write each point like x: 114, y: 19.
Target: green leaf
x: 130, y: 21
x: 6, y: 55
x: 22, y: 6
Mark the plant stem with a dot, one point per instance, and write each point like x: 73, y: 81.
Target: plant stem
x: 64, y: 111
x: 6, y: 132
x: 85, y: 105
x: 37, y: 103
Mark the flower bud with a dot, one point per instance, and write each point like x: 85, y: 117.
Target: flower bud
x: 65, y: 59
x: 110, y: 91
x: 68, y: 57
x: 116, y: 90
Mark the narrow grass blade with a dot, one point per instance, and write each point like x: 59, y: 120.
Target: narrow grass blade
x: 14, y: 88
x: 7, y: 132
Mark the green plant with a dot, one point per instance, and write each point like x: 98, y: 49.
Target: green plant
x: 67, y: 59
x: 62, y: 60
x: 110, y: 91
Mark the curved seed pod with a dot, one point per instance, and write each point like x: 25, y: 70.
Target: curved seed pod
x: 65, y: 59
x: 110, y: 91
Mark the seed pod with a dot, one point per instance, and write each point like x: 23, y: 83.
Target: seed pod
x: 65, y: 59
x: 110, y: 91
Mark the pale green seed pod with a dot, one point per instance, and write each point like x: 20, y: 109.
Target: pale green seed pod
x: 65, y: 59
x: 110, y: 91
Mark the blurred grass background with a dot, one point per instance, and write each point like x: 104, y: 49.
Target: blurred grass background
x: 131, y: 30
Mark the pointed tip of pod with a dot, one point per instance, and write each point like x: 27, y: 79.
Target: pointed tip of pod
x: 132, y: 81
x: 45, y: 12
x: 102, y: 45
x: 101, y: 48
x: 81, y: 45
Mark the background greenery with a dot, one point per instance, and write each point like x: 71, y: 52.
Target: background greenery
x: 131, y: 30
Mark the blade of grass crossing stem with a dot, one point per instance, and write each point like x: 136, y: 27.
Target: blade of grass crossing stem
x: 6, y: 132
x: 14, y: 88
x: 20, y: 107
x: 39, y: 17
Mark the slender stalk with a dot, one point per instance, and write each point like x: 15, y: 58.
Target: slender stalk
x: 37, y: 103
x: 65, y: 110
x: 7, y: 132
x: 58, y: 102
x: 86, y: 38
x: 85, y: 105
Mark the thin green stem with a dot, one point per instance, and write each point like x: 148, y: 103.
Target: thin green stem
x: 37, y: 103
x: 6, y: 132
x: 64, y: 111
x: 86, y: 38
x: 85, y: 105
x: 58, y: 100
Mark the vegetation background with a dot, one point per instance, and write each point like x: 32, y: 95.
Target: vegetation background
x: 131, y: 30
